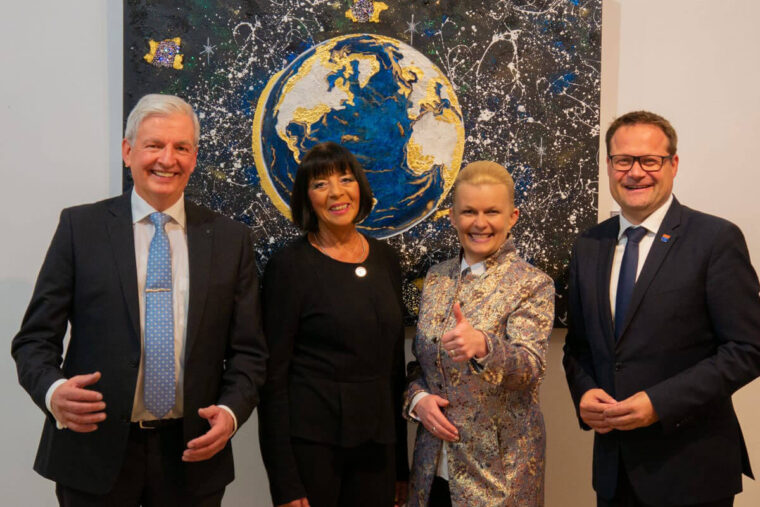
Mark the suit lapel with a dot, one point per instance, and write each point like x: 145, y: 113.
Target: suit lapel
x: 654, y: 260
x: 607, y: 244
x: 200, y: 235
x: 122, y: 239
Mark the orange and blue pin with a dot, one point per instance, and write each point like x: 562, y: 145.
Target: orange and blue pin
x: 665, y: 238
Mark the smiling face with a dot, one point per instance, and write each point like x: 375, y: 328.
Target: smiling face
x: 483, y: 215
x: 335, y: 199
x: 162, y: 158
x: 638, y: 192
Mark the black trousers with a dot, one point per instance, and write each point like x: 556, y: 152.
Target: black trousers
x: 152, y: 475
x: 626, y: 497
x: 336, y: 476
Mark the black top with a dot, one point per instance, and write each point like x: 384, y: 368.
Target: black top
x: 336, y: 367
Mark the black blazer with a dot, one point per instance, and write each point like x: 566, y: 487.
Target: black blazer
x: 88, y: 281
x: 690, y: 339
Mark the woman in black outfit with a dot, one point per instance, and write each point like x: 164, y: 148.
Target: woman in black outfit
x: 330, y: 421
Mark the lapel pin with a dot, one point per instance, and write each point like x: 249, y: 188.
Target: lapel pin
x: 665, y: 238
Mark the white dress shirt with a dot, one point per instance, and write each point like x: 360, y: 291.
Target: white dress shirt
x: 652, y: 225
x: 476, y: 269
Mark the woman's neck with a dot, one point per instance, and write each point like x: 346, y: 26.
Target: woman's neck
x: 336, y: 237
x: 345, y: 244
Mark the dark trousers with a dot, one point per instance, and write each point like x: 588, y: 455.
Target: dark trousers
x: 152, y: 475
x: 626, y: 497
x: 440, y: 494
x: 346, y: 476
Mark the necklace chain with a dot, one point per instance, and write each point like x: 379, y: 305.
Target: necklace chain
x: 318, y: 244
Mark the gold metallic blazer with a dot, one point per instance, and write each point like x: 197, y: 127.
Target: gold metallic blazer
x: 499, y: 459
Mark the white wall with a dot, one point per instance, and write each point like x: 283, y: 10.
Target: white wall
x: 60, y: 96
x: 60, y: 119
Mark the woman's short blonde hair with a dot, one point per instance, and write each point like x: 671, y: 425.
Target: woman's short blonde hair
x: 483, y: 172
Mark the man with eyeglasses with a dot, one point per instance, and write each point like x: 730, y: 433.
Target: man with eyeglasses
x: 664, y: 328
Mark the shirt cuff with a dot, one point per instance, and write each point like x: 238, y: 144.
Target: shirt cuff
x: 49, y: 397
x: 417, y: 397
x: 234, y: 419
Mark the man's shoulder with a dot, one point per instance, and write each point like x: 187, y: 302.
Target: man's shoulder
x: 199, y: 214
x: 704, y: 222
x: 92, y: 209
x: 707, y: 234
x: 606, y: 229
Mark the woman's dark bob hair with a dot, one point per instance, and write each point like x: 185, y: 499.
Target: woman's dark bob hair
x: 323, y: 160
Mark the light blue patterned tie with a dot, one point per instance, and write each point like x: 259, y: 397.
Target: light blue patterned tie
x: 159, y: 323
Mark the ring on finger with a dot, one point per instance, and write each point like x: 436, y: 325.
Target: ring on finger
x: 433, y: 430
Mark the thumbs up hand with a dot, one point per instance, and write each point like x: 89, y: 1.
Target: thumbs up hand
x: 464, y: 341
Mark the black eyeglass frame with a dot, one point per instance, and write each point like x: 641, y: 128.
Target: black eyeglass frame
x: 635, y: 158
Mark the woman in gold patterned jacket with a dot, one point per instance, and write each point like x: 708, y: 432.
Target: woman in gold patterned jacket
x: 481, y: 343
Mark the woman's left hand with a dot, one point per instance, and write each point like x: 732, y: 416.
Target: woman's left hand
x: 402, y: 493
x: 464, y: 341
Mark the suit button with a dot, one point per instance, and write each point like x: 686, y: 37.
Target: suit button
x: 133, y: 363
x: 126, y: 419
x: 618, y: 366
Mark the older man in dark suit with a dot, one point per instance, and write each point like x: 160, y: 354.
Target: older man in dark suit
x: 664, y: 327
x: 166, y: 354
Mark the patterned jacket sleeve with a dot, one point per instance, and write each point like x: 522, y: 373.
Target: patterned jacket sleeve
x: 518, y: 359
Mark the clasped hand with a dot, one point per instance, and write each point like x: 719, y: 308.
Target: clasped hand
x: 603, y: 413
x: 464, y: 341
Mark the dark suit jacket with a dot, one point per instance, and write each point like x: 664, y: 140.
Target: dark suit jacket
x: 690, y: 339
x: 89, y: 280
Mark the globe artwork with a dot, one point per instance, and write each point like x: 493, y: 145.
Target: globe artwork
x: 510, y: 81
x: 384, y: 101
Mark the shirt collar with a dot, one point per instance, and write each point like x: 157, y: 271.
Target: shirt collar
x: 652, y: 222
x: 492, y: 260
x: 476, y: 269
x: 141, y: 209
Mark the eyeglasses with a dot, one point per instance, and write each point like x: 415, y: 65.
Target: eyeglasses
x: 649, y: 163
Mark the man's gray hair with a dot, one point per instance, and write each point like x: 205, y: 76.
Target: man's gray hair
x: 161, y: 105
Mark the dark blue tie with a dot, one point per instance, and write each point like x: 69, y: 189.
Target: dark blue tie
x: 627, y: 278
